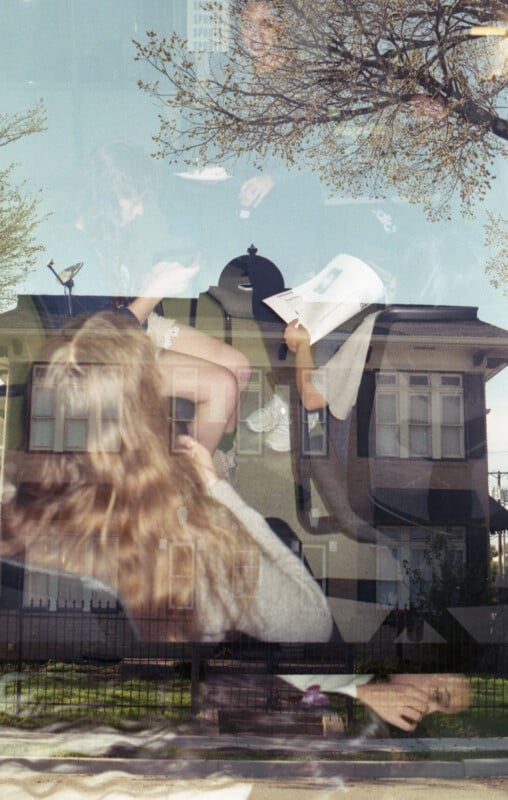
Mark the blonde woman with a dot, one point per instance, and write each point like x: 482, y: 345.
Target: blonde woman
x: 192, y: 561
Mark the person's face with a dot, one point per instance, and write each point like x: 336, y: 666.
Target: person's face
x: 261, y: 33
x: 130, y: 208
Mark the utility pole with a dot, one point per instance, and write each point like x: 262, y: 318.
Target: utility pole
x: 502, y: 491
x: 502, y: 498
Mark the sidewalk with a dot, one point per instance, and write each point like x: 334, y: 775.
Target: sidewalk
x: 164, y: 753
x: 119, y: 786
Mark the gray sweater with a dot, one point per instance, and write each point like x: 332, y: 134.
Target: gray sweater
x: 286, y: 604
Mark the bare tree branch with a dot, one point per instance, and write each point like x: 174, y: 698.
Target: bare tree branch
x: 18, y: 207
x: 371, y: 95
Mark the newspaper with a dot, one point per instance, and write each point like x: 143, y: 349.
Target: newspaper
x: 342, y: 289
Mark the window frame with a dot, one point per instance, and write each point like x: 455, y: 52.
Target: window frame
x: 431, y: 386
x: 59, y: 440
x: 404, y: 541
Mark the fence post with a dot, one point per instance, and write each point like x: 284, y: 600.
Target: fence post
x: 195, y: 659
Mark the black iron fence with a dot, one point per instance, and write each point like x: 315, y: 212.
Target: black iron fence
x: 88, y: 662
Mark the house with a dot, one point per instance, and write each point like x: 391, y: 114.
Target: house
x: 417, y: 455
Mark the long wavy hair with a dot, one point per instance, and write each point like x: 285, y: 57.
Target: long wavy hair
x: 128, y: 504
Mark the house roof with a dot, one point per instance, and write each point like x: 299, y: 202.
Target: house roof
x: 452, y: 322
x: 431, y: 327
x: 399, y: 319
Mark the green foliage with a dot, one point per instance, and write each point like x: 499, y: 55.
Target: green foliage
x: 446, y: 580
x: 486, y: 717
x: 394, y: 94
x: 71, y: 693
x: 18, y: 207
x: 74, y: 692
x: 496, y: 236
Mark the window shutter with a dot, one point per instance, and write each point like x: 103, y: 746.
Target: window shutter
x: 364, y: 405
x: 474, y: 415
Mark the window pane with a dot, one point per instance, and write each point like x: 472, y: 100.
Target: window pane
x: 419, y: 406
x: 76, y: 404
x: 110, y: 407
x: 419, y: 440
x: 246, y: 573
x: 110, y: 435
x: 182, y: 560
x: 418, y: 380
x: 70, y: 592
x: 451, y: 442
x: 450, y: 380
x: 43, y: 403
x: 180, y: 588
x: 75, y: 435
x: 386, y: 378
x: 42, y: 434
x: 387, y: 593
x: 419, y: 561
x: 388, y: 559
x: 450, y: 409
x: 387, y: 408
x: 387, y: 443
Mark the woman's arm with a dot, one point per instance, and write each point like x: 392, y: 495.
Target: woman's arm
x: 167, y: 278
x: 142, y: 307
x: 403, y: 705
x: 298, y: 341
x: 288, y: 605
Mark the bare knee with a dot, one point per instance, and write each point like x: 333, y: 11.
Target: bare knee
x: 230, y: 387
x: 242, y: 370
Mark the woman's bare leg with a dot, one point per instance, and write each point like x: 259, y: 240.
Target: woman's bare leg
x: 212, y: 388
x: 197, y: 344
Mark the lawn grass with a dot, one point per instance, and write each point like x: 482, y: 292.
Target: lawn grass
x: 58, y: 691
x: 75, y: 692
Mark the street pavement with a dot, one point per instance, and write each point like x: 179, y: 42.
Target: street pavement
x: 117, y: 785
x: 105, y: 763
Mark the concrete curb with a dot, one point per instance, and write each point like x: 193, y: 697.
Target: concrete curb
x: 105, y: 750
x: 100, y: 742
x: 192, y: 768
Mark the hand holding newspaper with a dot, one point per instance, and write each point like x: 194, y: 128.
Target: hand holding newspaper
x: 342, y: 289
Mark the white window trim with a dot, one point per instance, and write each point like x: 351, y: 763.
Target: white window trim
x: 96, y: 415
x: 47, y: 589
x: 402, y: 390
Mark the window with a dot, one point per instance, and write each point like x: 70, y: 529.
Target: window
x: 52, y: 587
x: 405, y: 561
x: 71, y: 420
x: 419, y: 415
x: 207, y: 28
x: 181, y: 574
x: 246, y: 572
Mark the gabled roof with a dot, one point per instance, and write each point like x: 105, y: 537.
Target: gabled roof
x: 433, y: 327
x: 452, y: 322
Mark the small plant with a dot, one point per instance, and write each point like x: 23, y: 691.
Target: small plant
x: 445, y: 580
